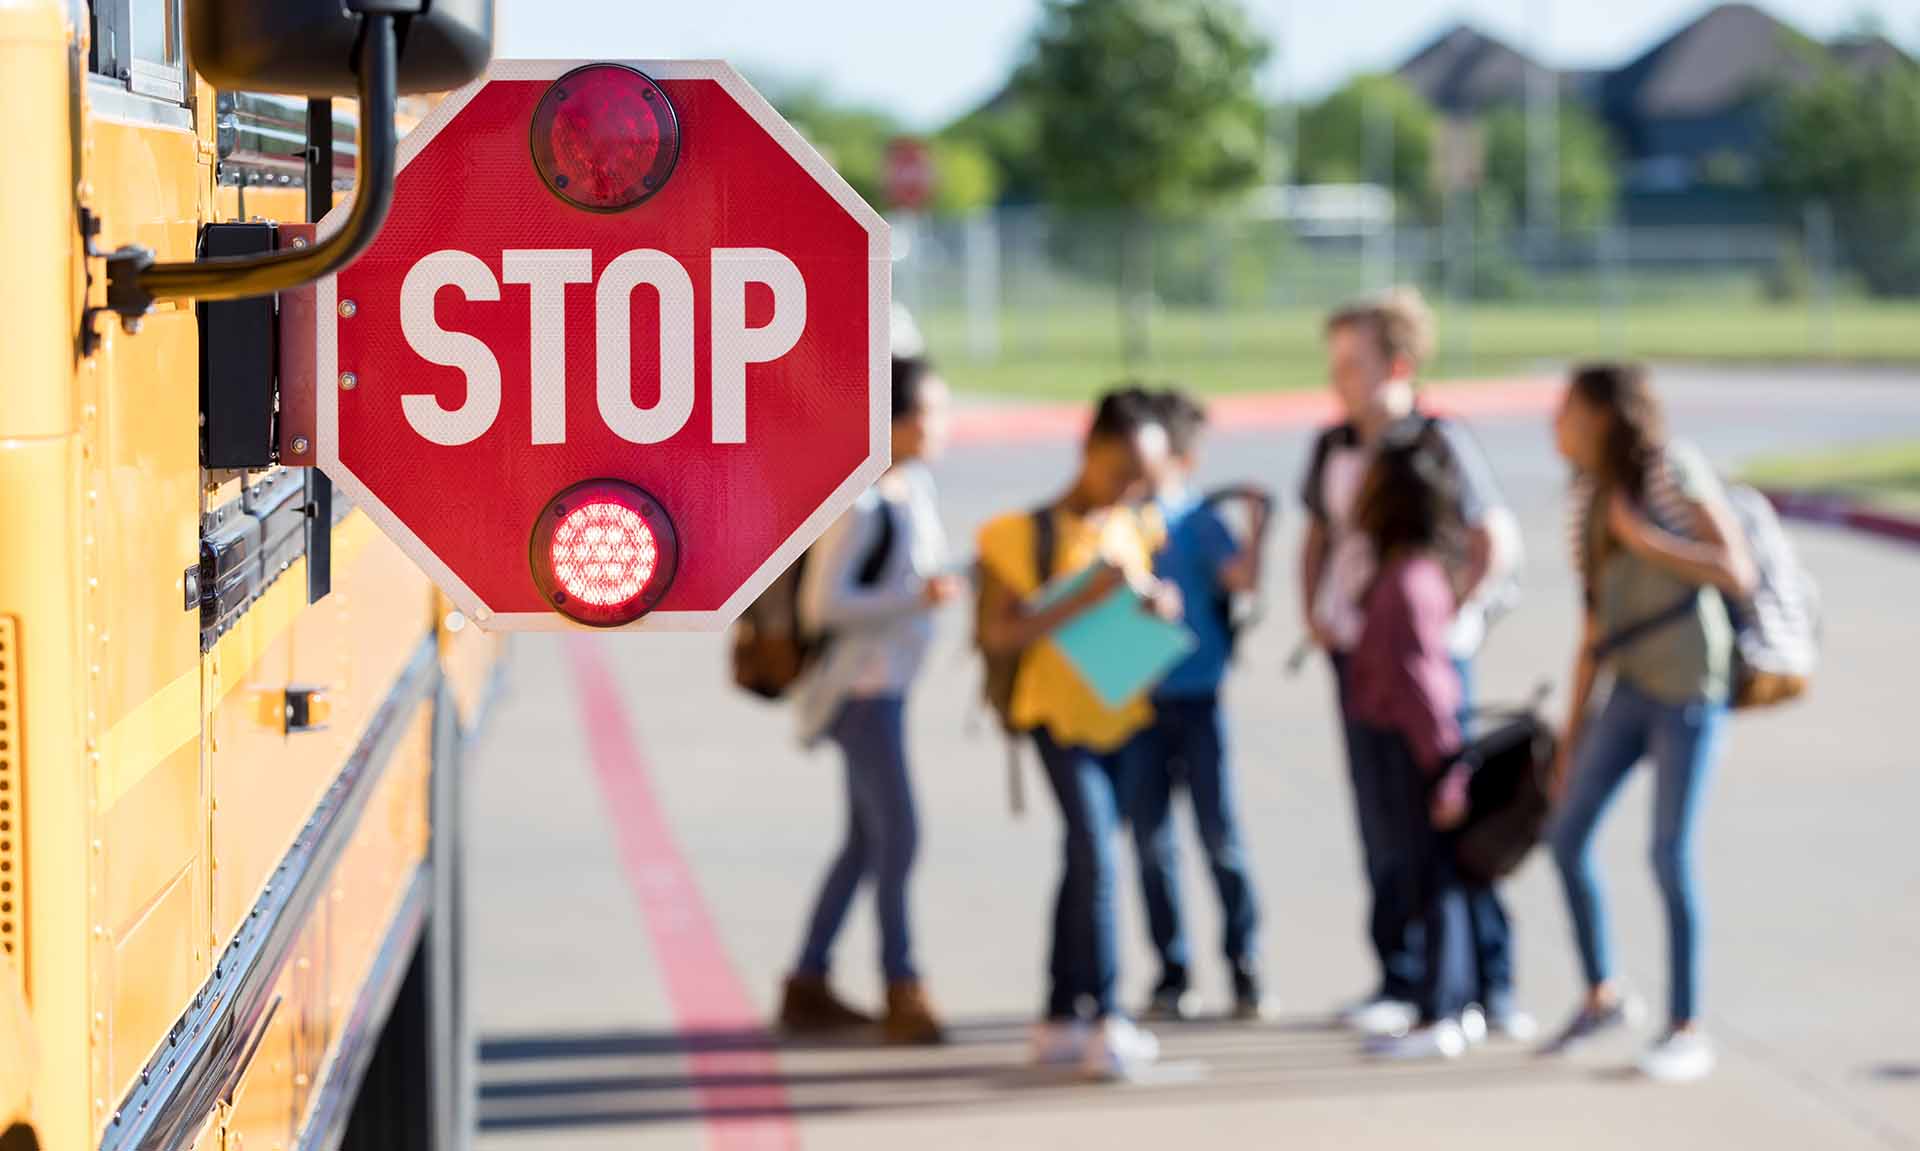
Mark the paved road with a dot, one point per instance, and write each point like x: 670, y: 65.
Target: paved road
x: 645, y: 841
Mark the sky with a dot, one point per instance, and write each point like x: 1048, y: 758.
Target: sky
x: 927, y: 61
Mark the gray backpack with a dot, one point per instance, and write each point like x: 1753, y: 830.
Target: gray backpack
x: 1777, y: 628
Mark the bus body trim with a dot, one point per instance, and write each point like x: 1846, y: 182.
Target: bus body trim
x: 204, y: 1054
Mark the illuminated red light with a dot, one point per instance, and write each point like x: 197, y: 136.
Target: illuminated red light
x: 603, y: 553
x: 605, y: 137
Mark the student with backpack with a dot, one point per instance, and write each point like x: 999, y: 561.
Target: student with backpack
x: 1404, y: 696
x: 866, y: 597
x: 1374, y: 350
x: 1658, y: 547
x: 1186, y: 742
x: 1093, y: 533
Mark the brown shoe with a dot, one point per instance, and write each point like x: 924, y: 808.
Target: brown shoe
x: 910, y: 1017
x: 809, y: 1007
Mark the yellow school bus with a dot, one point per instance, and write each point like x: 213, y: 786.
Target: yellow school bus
x: 231, y: 713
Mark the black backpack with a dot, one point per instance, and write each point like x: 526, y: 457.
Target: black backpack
x: 1238, y: 613
x: 772, y: 646
x: 1509, y: 798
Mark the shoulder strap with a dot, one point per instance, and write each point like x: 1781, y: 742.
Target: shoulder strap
x: 875, y: 563
x: 1043, y: 545
x: 1640, y: 629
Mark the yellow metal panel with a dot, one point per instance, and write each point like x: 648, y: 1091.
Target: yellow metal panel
x: 40, y: 510
x: 154, y: 907
x: 153, y: 973
x: 12, y: 858
x: 354, y: 643
x: 16, y: 1048
x: 37, y: 294
x: 264, y: 1105
x: 390, y: 843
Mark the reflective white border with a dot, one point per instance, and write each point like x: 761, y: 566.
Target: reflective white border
x: 879, y: 388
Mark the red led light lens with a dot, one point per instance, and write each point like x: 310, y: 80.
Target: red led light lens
x: 603, y: 553
x: 605, y: 137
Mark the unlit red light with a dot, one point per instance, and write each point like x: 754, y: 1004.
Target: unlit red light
x: 604, y: 554
x: 605, y: 137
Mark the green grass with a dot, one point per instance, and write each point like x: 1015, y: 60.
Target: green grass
x: 1883, y: 474
x: 1070, y: 351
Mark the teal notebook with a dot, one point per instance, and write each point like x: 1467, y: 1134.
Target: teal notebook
x: 1119, y: 648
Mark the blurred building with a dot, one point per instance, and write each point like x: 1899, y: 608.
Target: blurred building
x: 1688, y: 115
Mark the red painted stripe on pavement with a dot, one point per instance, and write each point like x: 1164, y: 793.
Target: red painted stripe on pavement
x: 1841, y: 511
x: 1264, y: 411
x: 705, y: 992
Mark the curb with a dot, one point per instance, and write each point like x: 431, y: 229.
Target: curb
x: 991, y: 423
x: 1834, y: 510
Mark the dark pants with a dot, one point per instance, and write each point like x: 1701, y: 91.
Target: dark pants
x: 882, y: 836
x: 1394, y: 925
x: 1082, y: 967
x: 1428, y: 883
x: 1187, y: 744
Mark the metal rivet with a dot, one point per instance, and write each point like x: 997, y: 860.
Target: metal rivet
x: 348, y: 308
x: 299, y: 241
x: 299, y: 445
x: 348, y: 381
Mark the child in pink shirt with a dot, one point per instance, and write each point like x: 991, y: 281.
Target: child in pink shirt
x: 1405, y: 701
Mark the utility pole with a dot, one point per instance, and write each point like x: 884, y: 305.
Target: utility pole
x: 1543, y: 135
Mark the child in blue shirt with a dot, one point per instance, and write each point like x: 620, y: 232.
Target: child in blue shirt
x: 1186, y: 743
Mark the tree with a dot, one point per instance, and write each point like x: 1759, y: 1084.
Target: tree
x: 1588, y: 185
x: 853, y: 139
x: 1851, y: 142
x: 1370, y: 124
x: 1145, y: 108
x: 965, y: 178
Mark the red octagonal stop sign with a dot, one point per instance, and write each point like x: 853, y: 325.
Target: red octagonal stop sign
x: 632, y: 279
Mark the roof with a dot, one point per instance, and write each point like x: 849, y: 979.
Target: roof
x: 1712, y: 65
x: 1870, y: 54
x: 1465, y: 72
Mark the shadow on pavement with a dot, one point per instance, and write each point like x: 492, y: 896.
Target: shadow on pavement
x: 640, y: 1078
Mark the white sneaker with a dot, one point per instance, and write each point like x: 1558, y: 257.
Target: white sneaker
x: 1442, y: 1040
x: 1513, y: 1025
x: 1681, y: 1057
x: 1473, y: 1025
x: 1119, y: 1050
x: 1058, y: 1042
x: 1380, y: 1017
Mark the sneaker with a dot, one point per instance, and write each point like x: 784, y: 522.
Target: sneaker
x: 1250, y: 1004
x: 910, y: 1017
x: 1443, y: 1040
x: 1679, y: 1057
x: 1473, y: 1025
x: 1512, y: 1024
x: 1058, y: 1042
x: 1624, y: 1012
x: 1172, y: 999
x: 1380, y: 1016
x: 1119, y: 1050
x: 808, y: 1006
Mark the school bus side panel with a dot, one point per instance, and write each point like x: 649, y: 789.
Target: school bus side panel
x: 41, y: 456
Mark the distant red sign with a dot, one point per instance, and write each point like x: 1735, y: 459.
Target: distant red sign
x: 911, y: 176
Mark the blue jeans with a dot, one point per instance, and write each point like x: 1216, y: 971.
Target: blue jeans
x: 1083, y: 966
x: 882, y: 836
x: 1683, y: 740
x: 1492, y: 933
x: 1187, y: 744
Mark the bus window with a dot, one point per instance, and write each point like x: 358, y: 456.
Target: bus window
x: 137, y: 42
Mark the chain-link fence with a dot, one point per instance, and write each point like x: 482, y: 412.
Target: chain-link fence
x: 1033, y: 300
